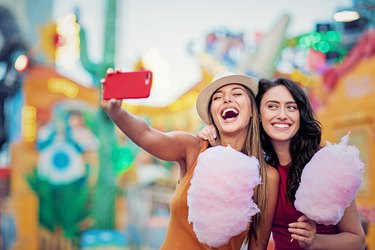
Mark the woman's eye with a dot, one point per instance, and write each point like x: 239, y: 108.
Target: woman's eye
x: 272, y: 106
x: 214, y: 98
x: 293, y: 108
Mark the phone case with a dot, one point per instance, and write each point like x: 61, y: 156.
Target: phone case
x: 128, y: 85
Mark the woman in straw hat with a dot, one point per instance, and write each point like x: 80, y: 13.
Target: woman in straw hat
x: 228, y: 103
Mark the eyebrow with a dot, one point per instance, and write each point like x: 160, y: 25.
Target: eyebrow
x: 234, y: 88
x: 274, y: 101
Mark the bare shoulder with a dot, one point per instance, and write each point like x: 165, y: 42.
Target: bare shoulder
x: 190, y: 142
x: 195, y: 144
x: 272, y: 174
x: 273, y: 181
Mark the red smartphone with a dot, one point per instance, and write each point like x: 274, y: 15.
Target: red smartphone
x: 127, y: 85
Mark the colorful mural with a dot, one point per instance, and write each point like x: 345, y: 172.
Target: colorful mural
x: 54, y: 165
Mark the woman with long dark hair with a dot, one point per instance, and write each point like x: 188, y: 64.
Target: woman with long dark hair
x: 290, y: 137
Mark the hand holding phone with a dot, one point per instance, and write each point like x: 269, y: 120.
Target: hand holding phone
x: 127, y: 85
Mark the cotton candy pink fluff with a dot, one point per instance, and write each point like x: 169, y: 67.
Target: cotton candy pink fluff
x: 329, y: 182
x: 220, y: 196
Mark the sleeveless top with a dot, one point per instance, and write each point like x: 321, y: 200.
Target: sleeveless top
x: 180, y: 234
x: 286, y: 213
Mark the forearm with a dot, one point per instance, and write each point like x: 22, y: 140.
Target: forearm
x: 341, y: 241
x: 260, y: 244
x: 165, y: 146
x: 132, y: 126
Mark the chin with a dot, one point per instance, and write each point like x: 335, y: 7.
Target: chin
x: 281, y: 138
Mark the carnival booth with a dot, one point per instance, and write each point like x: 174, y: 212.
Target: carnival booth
x: 349, y: 107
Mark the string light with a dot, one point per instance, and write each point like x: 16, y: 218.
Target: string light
x: 66, y: 87
x: 29, y: 123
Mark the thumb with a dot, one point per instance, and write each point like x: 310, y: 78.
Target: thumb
x: 303, y: 218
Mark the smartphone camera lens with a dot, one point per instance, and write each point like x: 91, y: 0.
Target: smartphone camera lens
x: 148, y: 78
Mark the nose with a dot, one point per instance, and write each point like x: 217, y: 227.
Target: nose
x: 227, y: 99
x: 281, y: 114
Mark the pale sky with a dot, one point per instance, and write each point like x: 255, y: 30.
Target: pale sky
x: 166, y: 27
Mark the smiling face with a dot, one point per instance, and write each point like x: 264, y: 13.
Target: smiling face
x: 279, y: 114
x: 231, y: 109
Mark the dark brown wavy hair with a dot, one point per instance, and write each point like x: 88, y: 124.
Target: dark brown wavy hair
x: 304, y: 143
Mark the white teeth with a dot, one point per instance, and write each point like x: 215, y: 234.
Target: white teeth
x: 281, y: 125
x: 228, y: 110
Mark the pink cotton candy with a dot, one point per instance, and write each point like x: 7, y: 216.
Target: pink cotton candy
x: 220, y: 196
x: 329, y: 182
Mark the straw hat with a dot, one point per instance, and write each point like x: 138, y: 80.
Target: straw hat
x: 219, y: 81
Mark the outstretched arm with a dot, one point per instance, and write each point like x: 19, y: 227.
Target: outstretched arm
x: 166, y: 146
x: 174, y: 146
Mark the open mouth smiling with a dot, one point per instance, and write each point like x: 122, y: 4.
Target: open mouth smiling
x: 229, y: 113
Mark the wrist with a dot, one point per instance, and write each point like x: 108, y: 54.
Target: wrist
x: 115, y: 115
x: 315, y: 243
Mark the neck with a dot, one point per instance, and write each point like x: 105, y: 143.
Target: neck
x: 282, y: 151
x: 237, y: 142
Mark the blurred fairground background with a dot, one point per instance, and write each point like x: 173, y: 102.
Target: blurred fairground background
x: 70, y: 180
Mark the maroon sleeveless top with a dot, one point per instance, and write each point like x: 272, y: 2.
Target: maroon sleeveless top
x: 286, y: 213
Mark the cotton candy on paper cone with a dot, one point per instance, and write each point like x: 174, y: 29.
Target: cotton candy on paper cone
x: 329, y: 182
x: 220, y: 196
